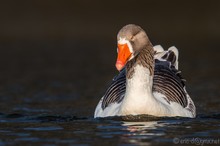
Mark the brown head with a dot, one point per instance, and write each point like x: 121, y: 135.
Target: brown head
x: 131, y: 40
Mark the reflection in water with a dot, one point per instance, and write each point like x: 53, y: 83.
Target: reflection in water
x: 142, y: 133
x: 140, y: 126
x: 147, y: 130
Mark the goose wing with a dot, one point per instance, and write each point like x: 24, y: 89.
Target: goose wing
x: 168, y: 80
x: 116, y: 90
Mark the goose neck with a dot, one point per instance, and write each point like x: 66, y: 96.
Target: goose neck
x: 144, y: 58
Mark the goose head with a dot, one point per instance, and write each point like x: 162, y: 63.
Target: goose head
x: 131, y: 40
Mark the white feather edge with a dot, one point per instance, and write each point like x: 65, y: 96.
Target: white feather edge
x: 176, y: 52
x: 158, y: 48
x: 161, y: 52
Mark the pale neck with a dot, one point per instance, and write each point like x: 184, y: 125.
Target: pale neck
x: 141, y: 81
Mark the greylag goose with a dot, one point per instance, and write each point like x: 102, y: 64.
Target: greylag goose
x: 149, y: 82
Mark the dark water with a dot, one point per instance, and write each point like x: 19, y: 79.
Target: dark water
x: 17, y: 129
x: 56, y: 59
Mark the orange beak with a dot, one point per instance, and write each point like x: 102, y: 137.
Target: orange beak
x: 123, y: 56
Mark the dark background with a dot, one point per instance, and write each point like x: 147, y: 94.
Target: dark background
x: 60, y: 55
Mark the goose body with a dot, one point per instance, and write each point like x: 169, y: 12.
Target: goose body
x: 149, y: 81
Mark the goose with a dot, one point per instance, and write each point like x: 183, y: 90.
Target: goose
x: 148, y: 82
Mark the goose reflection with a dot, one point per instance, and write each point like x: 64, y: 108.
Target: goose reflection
x: 142, y: 133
